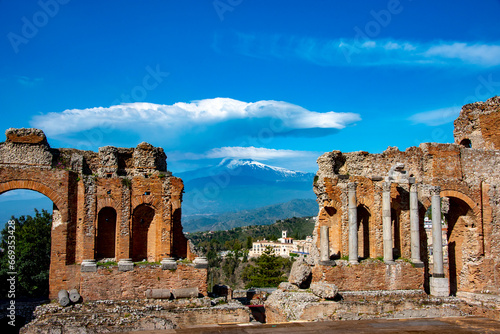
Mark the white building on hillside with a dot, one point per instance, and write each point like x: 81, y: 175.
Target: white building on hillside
x: 284, y: 246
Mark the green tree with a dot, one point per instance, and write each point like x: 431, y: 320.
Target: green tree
x: 249, y: 243
x: 32, y: 254
x: 268, y: 272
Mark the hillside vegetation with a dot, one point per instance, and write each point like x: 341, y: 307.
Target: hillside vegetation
x: 235, y: 268
x: 261, y: 216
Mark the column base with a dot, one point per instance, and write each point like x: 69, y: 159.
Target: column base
x: 389, y: 262
x: 353, y: 262
x: 327, y: 263
x: 417, y: 263
x: 439, y: 286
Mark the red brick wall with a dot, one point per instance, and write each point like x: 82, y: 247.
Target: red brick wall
x: 109, y: 283
x: 373, y: 275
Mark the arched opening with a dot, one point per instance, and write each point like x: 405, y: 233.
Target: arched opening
x: 466, y: 143
x: 363, y: 232
x: 30, y: 215
x: 463, y: 242
x: 330, y: 217
x: 143, y: 236
x: 106, y: 234
x: 396, y: 227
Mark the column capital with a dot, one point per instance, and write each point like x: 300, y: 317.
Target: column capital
x: 435, y: 190
x: 352, y: 186
x: 386, y: 186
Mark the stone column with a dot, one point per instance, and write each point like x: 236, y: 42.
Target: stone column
x: 439, y: 284
x: 324, y: 244
x: 353, y: 223
x: 387, y: 223
x: 437, y: 233
x: 414, y: 227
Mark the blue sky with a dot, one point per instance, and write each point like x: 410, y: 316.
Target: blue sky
x: 277, y: 81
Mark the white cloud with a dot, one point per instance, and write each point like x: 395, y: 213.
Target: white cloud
x: 210, y: 118
x: 436, y: 117
x: 27, y: 81
x: 362, y: 52
x: 20, y: 194
x: 251, y: 152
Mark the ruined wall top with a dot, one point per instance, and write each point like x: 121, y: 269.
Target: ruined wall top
x: 26, y: 136
x: 29, y: 147
x: 478, y: 125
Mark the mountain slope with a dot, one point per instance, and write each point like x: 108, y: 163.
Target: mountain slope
x: 260, y: 216
x: 235, y: 185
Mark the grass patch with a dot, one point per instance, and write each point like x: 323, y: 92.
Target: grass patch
x: 107, y: 264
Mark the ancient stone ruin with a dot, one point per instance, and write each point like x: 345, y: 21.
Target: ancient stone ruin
x: 120, y: 204
x: 372, y: 206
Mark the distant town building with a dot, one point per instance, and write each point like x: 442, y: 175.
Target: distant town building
x: 284, y: 246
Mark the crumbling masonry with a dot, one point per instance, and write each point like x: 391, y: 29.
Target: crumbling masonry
x: 373, y: 205
x: 118, y: 204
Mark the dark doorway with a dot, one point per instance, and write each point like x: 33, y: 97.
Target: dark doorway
x: 106, y: 233
x: 142, y: 238
x: 363, y: 232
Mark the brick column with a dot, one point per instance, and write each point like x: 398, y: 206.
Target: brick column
x: 386, y: 222
x: 353, y: 223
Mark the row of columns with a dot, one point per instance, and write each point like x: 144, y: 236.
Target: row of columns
x: 438, y: 283
x: 387, y: 228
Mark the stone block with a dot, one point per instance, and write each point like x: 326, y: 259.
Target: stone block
x: 125, y: 265
x: 300, y: 274
x: 201, y: 262
x: 324, y: 290
x: 439, y: 286
x: 158, y: 293
x: 25, y: 136
x: 88, y: 266
x: 168, y: 264
x: 185, y: 293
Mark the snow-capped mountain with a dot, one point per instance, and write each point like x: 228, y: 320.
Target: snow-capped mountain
x: 241, y: 184
x: 247, y: 167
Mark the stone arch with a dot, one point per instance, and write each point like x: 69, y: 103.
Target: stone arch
x: 105, y: 245
x: 143, y: 236
x: 150, y: 200
x: 473, y: 205
x: 464, y: 237
x: 38, y: 187
x: 106, y: 202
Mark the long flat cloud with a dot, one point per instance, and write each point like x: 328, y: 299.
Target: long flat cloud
x: 358, y: 51
x: 436, y: 117
x: 250, y: 152
x: 212, y: 120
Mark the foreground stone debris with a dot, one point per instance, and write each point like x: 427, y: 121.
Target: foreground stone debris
x: 133, y: 315
x: 441, y: 326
